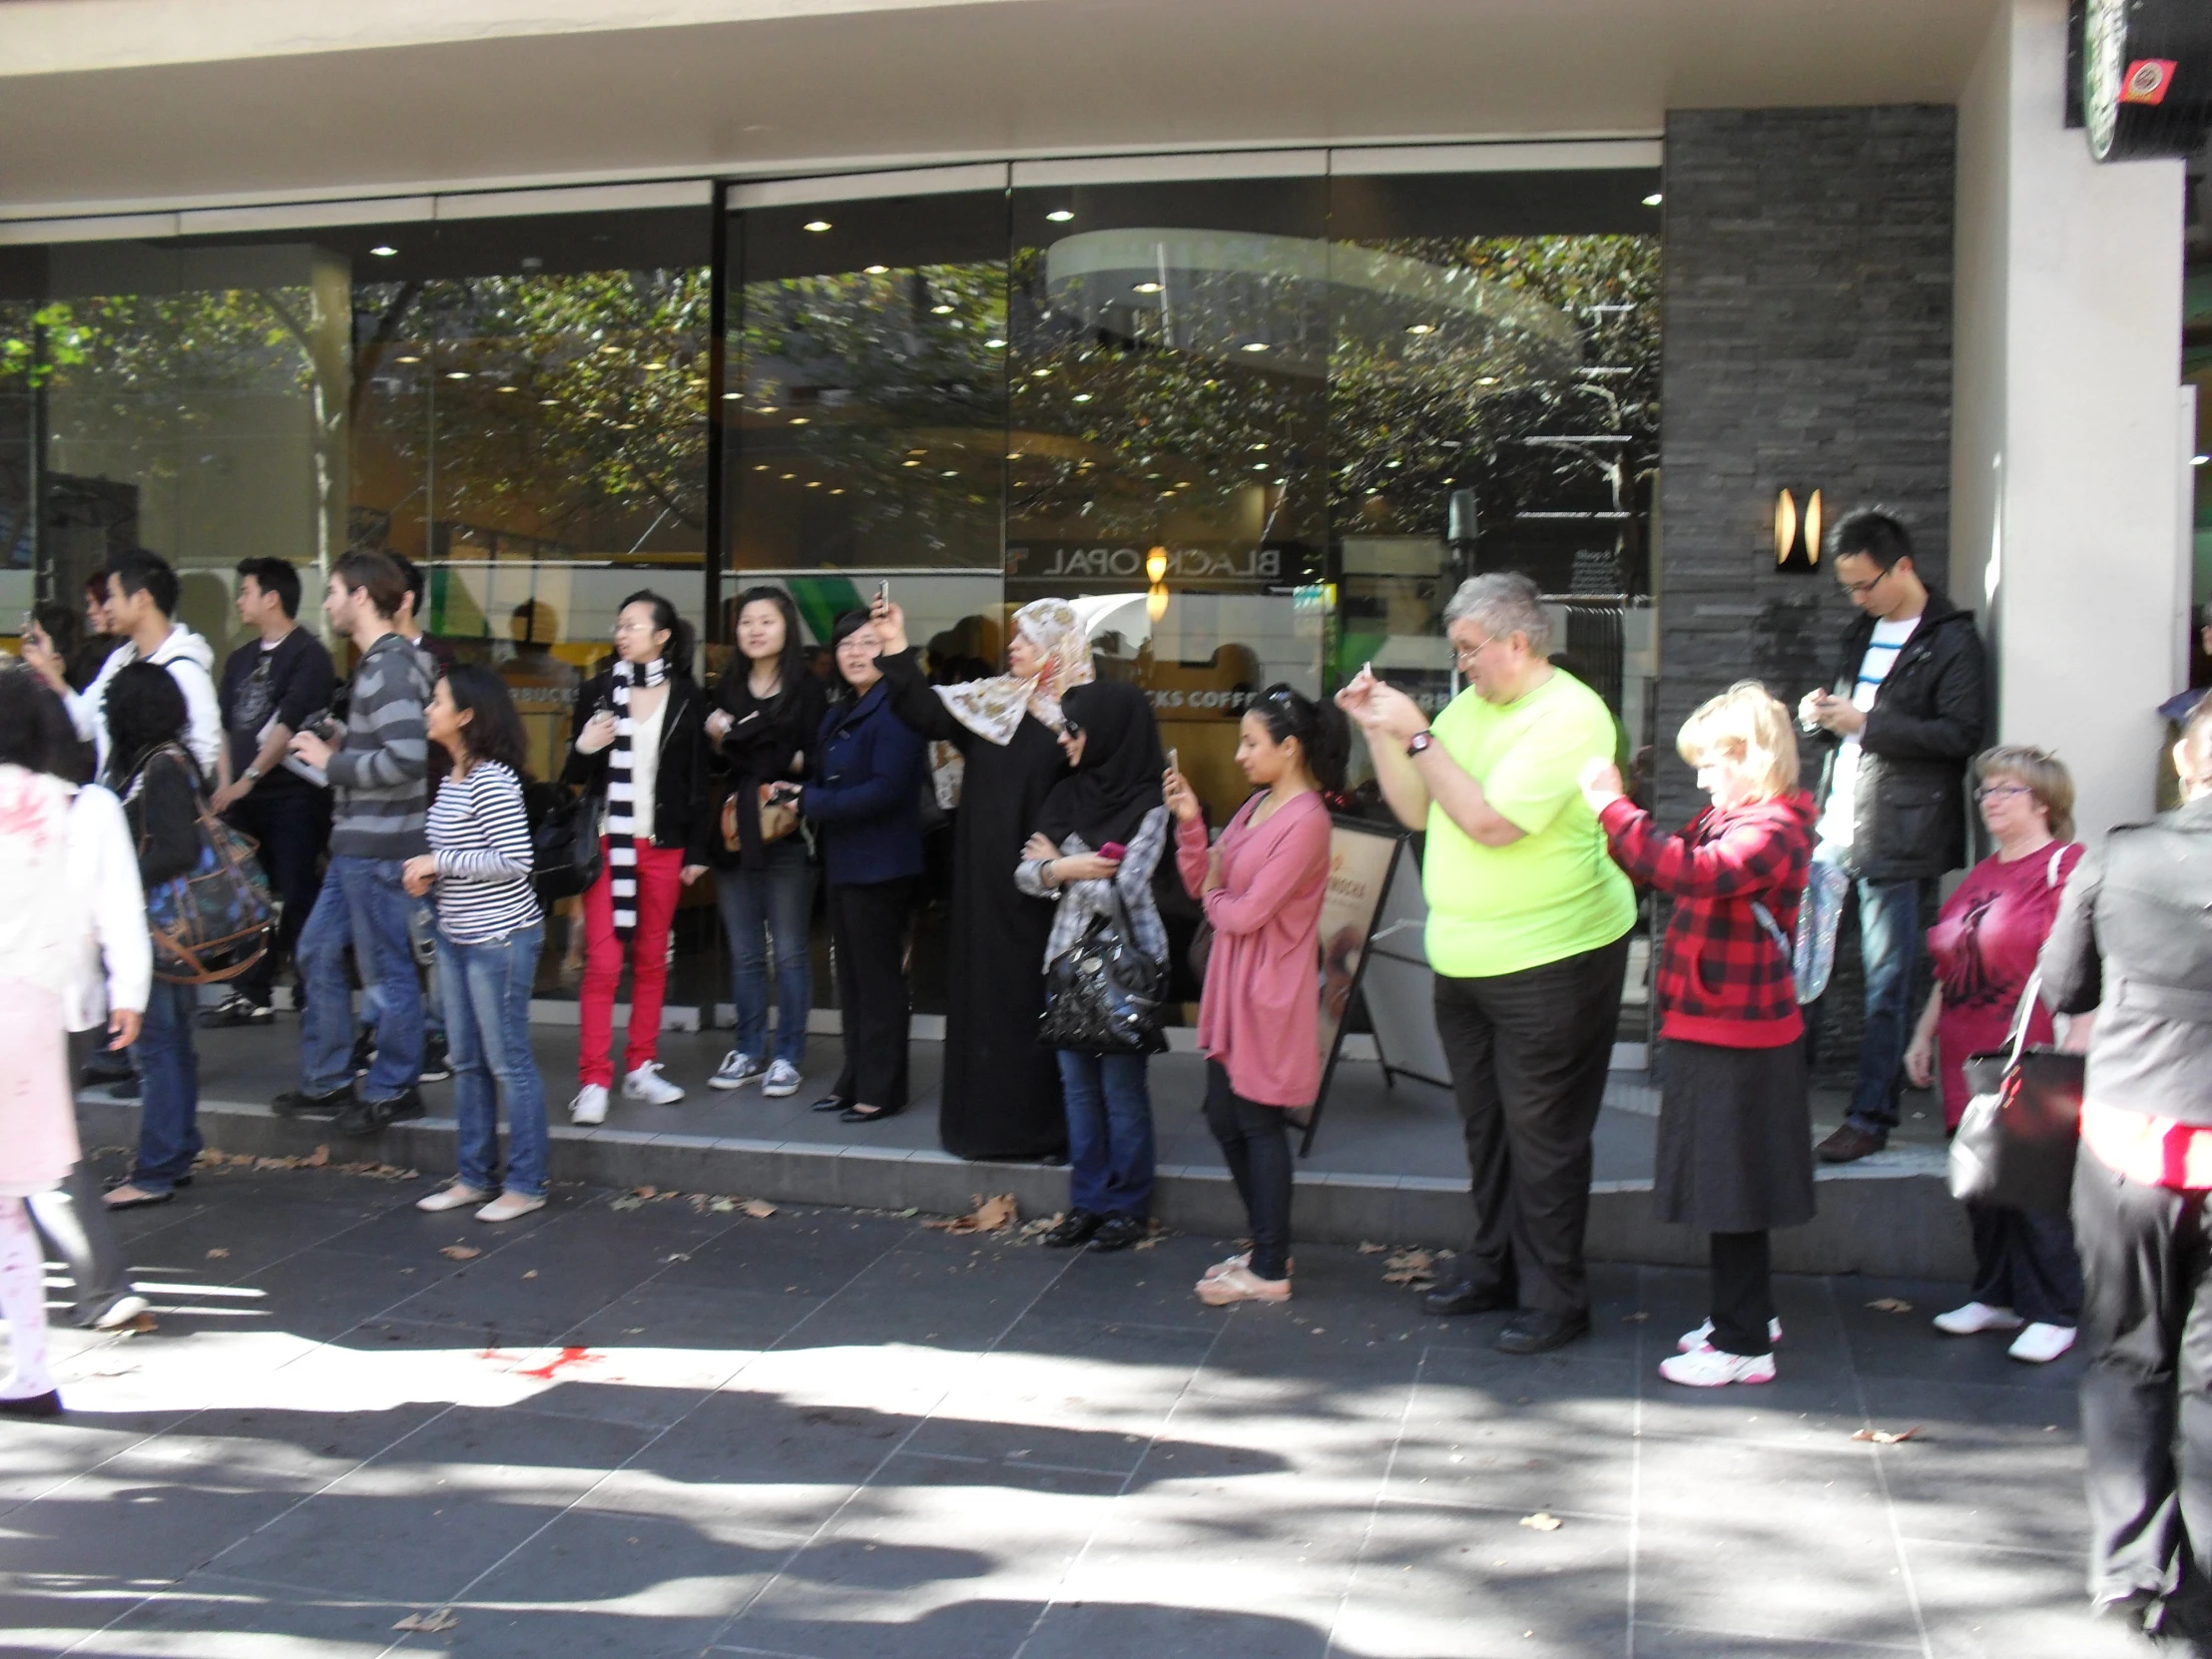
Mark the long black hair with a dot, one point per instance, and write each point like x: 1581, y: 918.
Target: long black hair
x: 35, y: 732
x: 791, y: 662
x: 681, y: 636
x: 144, y: 711
x: 1321, y: 730
x: 493, y: 731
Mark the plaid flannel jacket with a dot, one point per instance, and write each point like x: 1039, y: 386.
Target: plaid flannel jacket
x: 1722, y: 977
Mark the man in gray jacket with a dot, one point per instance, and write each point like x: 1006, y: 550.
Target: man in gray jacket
x: 2133, y: 941
x: 380, y: 800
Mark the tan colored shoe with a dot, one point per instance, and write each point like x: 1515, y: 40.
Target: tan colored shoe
x: 1241, y: 1259
x: 1241, y: 1283
x: 451, y: 1196
x: 508, y: 1206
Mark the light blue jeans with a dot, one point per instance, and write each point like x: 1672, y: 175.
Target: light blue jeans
x: 361, y: 908
x: 486, y: 992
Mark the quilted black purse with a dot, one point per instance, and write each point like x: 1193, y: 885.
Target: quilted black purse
x: 1104, y: 994
x: 564, y: 840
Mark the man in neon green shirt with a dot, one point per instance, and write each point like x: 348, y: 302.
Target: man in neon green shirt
x: 1528, y: 924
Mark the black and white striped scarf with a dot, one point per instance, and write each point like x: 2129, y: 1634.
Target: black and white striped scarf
x: 622, y: 846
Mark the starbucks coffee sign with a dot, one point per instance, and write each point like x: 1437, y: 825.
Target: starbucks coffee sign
x: 2146, y: 76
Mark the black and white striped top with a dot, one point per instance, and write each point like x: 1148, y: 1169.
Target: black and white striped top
x: 480, y: 835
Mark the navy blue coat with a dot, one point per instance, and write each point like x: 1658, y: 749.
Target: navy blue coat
x: 865, y: 792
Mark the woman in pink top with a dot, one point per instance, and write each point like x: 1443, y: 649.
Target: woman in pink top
x: 1262, y: 885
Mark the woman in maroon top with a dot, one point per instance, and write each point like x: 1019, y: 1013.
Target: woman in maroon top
x: 1984, y: 948
x: 1735, y: 1130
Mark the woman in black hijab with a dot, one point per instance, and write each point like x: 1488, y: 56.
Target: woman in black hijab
x: 1100, y: 834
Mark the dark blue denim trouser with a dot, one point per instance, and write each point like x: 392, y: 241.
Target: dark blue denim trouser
x: 1110, y: 1143
x: 168, y: 1088
x: 486, y: 991
x: 361, y: 901
x: 761, y: 908
x: 1891, y: 922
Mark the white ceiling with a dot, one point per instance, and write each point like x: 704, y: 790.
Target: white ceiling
x: 118, y: 104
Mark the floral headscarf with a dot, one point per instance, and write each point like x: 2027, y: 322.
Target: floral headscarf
x: 992, y: 709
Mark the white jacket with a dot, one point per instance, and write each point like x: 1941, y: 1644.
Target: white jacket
x: 191, y: 663
x: 110, y: 957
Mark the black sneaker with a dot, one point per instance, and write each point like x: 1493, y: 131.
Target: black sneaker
x: 1120, y: 1232
x: 366, y: 1117
x: 1078, y: 1228
x: 107, y: 1066
x: 364, y: 1049
x: 238, y: 1009
x: 123, y: 1088
x: 299, y: 1103
x: 437, y: 1068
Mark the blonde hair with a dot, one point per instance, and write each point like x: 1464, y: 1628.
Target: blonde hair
x: 1747, y: 722
x: 2043, y: 773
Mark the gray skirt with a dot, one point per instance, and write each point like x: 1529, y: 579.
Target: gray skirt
x: 1735, y: 1148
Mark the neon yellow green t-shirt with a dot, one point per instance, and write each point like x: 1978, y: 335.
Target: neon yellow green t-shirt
x: 1556, y: 891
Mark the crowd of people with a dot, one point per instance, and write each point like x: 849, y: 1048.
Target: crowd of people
x: 392, y: 822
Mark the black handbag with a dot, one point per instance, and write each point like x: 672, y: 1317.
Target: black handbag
x: 564, y: 840
x: 2017, y: 1142
x: 1104, y: 994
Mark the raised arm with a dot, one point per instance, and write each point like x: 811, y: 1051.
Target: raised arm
x: 1751, y: 856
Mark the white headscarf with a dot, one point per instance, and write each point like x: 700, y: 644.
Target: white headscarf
x: 992, y: 709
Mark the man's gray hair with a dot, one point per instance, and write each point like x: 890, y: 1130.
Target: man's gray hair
x: 1503, y: 602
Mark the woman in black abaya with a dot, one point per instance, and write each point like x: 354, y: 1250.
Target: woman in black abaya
x: 1001, y: 1094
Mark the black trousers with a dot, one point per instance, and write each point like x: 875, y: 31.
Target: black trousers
x: 2146, y: 1399
x: 74, y: 1219
x: 868, y: 931
x: 1528, y: 1054
x: 1256, y: 1141
x: 2025, y: 1261
x: 1743, y: 1293
x: 292, y: 827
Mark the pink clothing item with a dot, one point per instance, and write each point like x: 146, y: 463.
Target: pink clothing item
x: 1984, y: 948
x: 659, y: 884
x: 1260, y: 1015
x: 38, y: 1119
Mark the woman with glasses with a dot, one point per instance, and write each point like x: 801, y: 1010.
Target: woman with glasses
x: 1984, y: 945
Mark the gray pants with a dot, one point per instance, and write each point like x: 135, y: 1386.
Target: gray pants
x: 74, y: 1221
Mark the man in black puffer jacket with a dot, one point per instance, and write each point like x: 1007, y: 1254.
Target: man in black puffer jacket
x: 1909, y: 709
x: 2133, y: 942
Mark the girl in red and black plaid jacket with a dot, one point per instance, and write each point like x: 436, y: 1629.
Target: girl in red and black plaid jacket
x: 1735, y: 1127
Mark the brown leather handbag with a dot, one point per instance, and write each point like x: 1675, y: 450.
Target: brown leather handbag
x: 777, y: 818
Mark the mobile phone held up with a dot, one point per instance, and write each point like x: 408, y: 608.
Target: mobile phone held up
x: 1114, y: 850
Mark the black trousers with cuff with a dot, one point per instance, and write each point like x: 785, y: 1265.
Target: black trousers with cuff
x: 868, y: 931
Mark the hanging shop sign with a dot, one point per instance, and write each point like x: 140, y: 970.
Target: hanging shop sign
x: 2146, y: 76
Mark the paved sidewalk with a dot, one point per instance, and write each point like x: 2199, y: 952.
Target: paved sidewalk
x: 668, y: 1430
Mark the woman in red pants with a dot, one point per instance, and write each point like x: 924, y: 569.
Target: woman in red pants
x: 640, y: 744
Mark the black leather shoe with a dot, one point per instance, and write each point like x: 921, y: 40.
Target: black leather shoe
x: 828, y: 1103
x: 298, y: 1103
x: 1539, y: 1333
x: 1079, y: 1228
x: 1463, y: 1297
x: 436, y: 1066
x: 1120, y: 1232
x: 854, y: 1114
x: 1849, y: 1144
x: 366, y: 1117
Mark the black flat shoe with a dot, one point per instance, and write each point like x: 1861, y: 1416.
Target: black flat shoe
x: 302, y: 1103
x: 1541, y: 1332
x: 828, y: 1103
x: 1078, y: 1228
x: 1120, y: 1232
x: 1463, y: 1297
x: 854, y: 1114
x: 47, y: 1405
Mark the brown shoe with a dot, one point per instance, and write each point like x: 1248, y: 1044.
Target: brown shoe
x: 1849, y: 1144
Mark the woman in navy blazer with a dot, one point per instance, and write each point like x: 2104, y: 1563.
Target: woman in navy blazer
x: 863, y: 796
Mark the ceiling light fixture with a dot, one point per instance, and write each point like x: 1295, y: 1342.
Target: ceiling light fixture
x: 1653, y: 199
x: 876, y: 270
x: 1254, y: 345
x: 817, y: 225
x: 456, y: 375
x: 384, y: 251
x: 1148, y: 287
x: 510, y: 389
x: 940, y: 311
x: 548, y: 403
x: 909, y: 463
x: 1082, y: 397
x: 1061, y: 215
x: 995, y: 344
x: 1420, y: 327
x: 799, y: 420
x: 407, y: 359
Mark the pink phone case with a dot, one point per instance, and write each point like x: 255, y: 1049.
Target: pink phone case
x: 1114, y: 850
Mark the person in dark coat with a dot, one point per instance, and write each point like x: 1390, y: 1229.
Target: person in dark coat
x: 864, y: 796
x: 1002, y: 1093
x: 1734, y: 1156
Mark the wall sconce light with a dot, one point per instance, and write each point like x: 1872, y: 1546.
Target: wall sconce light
x: 1156, y: 572
x: 1797, y: 536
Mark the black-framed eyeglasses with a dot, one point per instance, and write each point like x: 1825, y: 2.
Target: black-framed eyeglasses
x: 1856, y: 589
x: 2000, y: 792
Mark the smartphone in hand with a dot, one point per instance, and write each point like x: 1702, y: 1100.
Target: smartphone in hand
x: 1114, y: 850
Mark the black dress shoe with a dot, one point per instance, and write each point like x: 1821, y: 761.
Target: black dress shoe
x: 47, y: 1405
x: 302, y: 1103
x: 828, y: 1103
x: 1120, y: 1232
x: 366, y: 1117
x: 1079, y: 1227
x: 1463, y: 1297
x: 1537, y: 1332
x: 854, y: 1114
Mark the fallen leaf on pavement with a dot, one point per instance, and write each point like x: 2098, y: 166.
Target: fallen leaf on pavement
x: 315, y: 1159
x: 532, y: 1274
x: 1882, y: 1436
x: 1367, y: 1246
x: 217, y: 1254
x: 646, y: 1192
x: 1541, y: 1522
x: 1890, y: 1305
x: 442, y: 1619
x: 758, y: 1208
x: 990, y: 1215
x: 723, y: 1206
x: 461, y: 1252
x: 627, y: 1204
x: 1043, y: 1223
x: 1409, y: 1266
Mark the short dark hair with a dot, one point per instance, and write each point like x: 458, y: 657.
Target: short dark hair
x: 494, y: 731
x: 275, y: 576
x: 138, y: 571
x: 1870, y: 532
x: 95, y: 585
x: 850, y: 623
x: 144, y: 709
x: 35, y: 732
x: 418, y: 583
x: 59, y: 624
x: 367, y: 571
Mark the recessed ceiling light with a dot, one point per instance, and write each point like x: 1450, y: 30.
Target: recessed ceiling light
x: 1039, y: 373
x: 548, y: 403
x: 994, y: 344
x: 940, y: 311
x: 733, y: 398
x: 1653, y: 199
x: 813, y: 483
x: 1420, y: 327
x: 761, y: 466
x: 1254, y: 345
x: 786, y: 476
x: 1259, y: 447
x: 799, y: 420
x: 1148, y: 287
x: 1397, y: 463
x: 655, y: 365
x: 818, y: 225
x: 1259, y: 467
x: 1082, y: 397
x: 384, y: 251
x: 949, y: 472
x: 626, y: 426
x: 1013, y: 454
x: 456, y: 375
x: 1061, y: 215
x: 1487, y: 380
x: 407, y: 359
x: 909, y: 463
x: 510, y: 389
x: 839, y: 490
x: 876, y: 270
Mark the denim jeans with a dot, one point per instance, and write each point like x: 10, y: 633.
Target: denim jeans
x: 486, y: 992
x: 169, y: 1085
x: 1889, y: 925
x: 1110, y: 1149
x: 422, y: 939
x: 763, y: 910
x: 363, y: 907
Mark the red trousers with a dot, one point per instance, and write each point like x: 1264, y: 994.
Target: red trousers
x: 659, y: 868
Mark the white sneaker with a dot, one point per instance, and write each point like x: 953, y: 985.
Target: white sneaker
x: 1691, y: 1341
x: 2040, y: 1344
x: 121, y: 1311
x: 783, y: 1079
x: 1709, y: 1367
x: 590, y: 1104
x: 646, y: 1084
x: 735, y: 1071
x: 507, y: 1206
x: 1975, y: 1318
x: 451, y: 1196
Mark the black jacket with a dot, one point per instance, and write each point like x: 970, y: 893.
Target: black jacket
x: 680, y: 818
x: 2133, y: 939
x: 161, y: 803
x: 864, y: 792
x: 1909, y: 801
x: 770, y: 742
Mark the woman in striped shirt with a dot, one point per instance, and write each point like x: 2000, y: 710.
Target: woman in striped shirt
x: 489, y: 932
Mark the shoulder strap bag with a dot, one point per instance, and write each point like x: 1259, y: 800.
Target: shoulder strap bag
x: 2017, y: 1142
x: 1104, y: 994
x: 216, y: 921
x: 564, y: 840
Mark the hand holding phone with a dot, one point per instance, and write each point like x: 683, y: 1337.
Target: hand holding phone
x: 1114, y: 850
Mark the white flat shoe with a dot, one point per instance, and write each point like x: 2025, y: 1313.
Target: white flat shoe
x: 507, y: 1206
x: 450, y: 1197
x: 1709, y: 1367
x: 2040, y: 1344
x: 1975, y: 1317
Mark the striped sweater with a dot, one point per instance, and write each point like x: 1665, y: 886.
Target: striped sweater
x: 480, y: 835
x: 378, y: 781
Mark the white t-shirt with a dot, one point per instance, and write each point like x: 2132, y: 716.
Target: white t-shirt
x: 1839, y: 820
x: 645, y: 771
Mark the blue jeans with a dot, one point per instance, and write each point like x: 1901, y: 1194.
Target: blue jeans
x: 1109, y: 1132
x: 486, y: 992
x: 1890, y: 927
x: 422, y: 929
x: 363, y: 907
x: 168, y: 1088
x: 760, y: 906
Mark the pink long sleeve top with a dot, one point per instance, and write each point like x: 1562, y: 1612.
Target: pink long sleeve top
x: 1261, y: 1010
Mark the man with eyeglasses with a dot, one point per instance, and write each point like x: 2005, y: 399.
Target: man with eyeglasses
x: 1907, y: 715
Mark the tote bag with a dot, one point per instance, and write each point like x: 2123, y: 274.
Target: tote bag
x: 2016, y: 1141
x: 1103, y: 994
